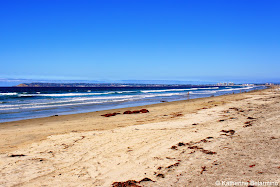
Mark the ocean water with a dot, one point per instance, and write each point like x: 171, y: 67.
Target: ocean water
x: 25, y: 103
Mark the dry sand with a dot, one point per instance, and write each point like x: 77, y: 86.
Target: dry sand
x: 92, y: 150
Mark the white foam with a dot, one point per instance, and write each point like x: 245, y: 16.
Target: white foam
x: 74, y: 100
x: 8, y: 93
x: 102, y: 97
x: 233, y: 89
x: 161, y: 95
x: 169, y: 90
x: 223, y: 90
x: 203, y: 92
x: 83, y: 101
x: 58, y: 105
x: 64, y: 95
x: 126, y: 92
x: 208, y: 88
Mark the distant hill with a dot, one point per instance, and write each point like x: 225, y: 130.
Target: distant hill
x: 96, y: 85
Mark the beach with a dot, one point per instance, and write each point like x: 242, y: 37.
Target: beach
x: 197, y: 142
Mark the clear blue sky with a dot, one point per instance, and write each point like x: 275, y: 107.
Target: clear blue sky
x: 140, y: 39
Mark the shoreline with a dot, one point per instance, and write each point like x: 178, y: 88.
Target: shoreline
x: 23, y: 132
x: 182, y: 143
x: 21, y: 111
x: 126, y: 108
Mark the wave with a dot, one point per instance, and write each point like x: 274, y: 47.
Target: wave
x: 138, y: 96
x: 87, y: 100
x: 223, y: 90
x: 71, y: 99
x: 208, y: 88
x: 47, y: 105
x: 6, y: 94
x: 38, y: 94
x: 162, y: 95
x: 203, y: 92
x: 74, y: 94
x: 174, y: 90
x: 233, y: 89
x: 120, y: 92
x: 63, y: 95
x: 169, y: 90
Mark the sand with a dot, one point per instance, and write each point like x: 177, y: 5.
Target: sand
x: 184, y: 143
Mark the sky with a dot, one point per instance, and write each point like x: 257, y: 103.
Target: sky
x: 186, y: 40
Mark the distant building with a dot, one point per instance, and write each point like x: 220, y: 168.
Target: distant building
x: 225, y: 84
x: 248, y: 84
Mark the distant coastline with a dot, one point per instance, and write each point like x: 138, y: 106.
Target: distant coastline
x: 98, y: 85
x: 116, y: 85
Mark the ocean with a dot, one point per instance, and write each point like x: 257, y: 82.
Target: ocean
x: 18, y: 103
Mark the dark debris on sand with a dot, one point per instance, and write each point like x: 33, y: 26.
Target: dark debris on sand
x: 136, y: 111
x: 192, y: 146
x: 110, y: 114
x: 173, y: 165
x: 174, y: 147
x: 17, y: 155
x: 131, y: 183
x: 126, y: 112
x: 231, y: 132
x: 203, y: 169
x: 160, y: 175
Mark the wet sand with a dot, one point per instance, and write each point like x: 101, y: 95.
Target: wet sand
x: 183, y: 143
